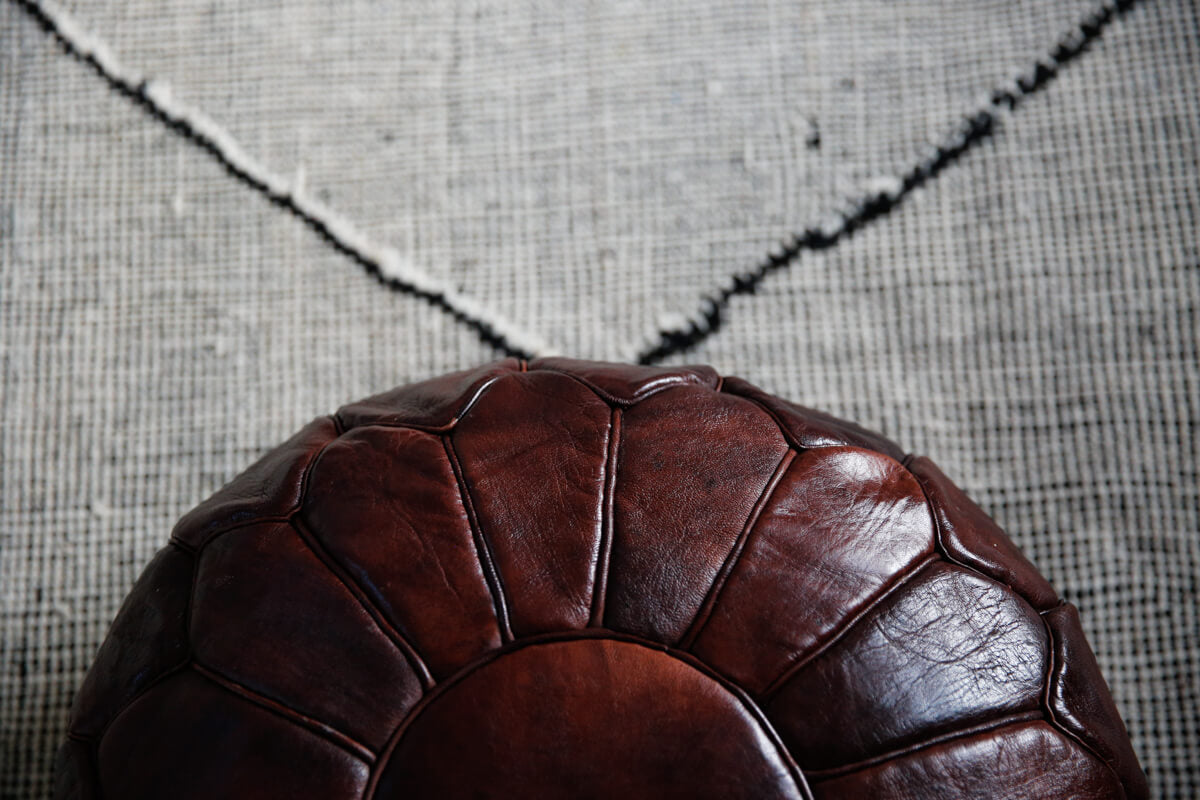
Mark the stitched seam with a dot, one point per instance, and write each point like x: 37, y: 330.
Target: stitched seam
x: 91, y: 752
x: 310, y: 467
x: 182, y: 665
x: 962, y: 733
x: 382, y: 262
x: 939, y: 542
x: 322, y: 729
x: 302, y: 491
x: 968, y: 132
x: 190, y: 609
x: 186, y: 661
x: 607, y: 523
x: 91, y: 748
x: 638, y: 396
x: 458, y: 417
x: 869, y: 441
x: 731, y: 561
x: 1051, y: 656
x: 412, y: 426
x: 473, y: 400
x: 219, y: 532
x: 939, y: 538
x: 182, y: 547
x: 608, y: 399
x: 399, y: 641
x: 775, y: 418
x: 1052, y: 675
x: 849, y: 624
x: 298, y: 524
x: 591, y: 634
x: 483, y: 550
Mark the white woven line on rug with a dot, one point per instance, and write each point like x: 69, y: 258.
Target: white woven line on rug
x: 391, y: 266
x: 678, y: 332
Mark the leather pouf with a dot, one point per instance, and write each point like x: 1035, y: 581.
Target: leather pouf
x: 572, y: 579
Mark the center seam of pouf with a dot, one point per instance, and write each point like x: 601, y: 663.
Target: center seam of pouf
x: 603, y: 638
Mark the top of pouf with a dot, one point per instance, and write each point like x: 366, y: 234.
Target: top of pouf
x: 573, y: 579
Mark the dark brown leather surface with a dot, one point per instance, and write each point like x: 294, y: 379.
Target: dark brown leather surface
x: 567, y: 579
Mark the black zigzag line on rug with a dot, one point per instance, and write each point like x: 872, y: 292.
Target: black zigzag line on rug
x: 969, y: 132
x: 327, y: 225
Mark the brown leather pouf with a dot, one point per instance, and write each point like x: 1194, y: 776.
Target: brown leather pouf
x: 571, y: 579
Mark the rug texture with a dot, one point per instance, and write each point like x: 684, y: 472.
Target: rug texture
x: 971, y: 226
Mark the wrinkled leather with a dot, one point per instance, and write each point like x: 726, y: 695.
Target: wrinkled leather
x: 572, y: 579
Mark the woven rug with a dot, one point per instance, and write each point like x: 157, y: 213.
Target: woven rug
x: 968, y: 225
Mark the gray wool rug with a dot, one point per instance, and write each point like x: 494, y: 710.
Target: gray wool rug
x: 971, y: 226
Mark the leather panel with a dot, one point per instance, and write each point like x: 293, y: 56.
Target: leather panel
x: 1081, y: 702
x: 841, y: 525
x: 74, y: 771
x: 146, y: 641
x: 384, y: 503
x: 691, y: 466
x: 269, y: 488
x: 434, y: 404
x: 1028, y: 761
x: 948, y: 650
x: 587, y: 718
x: 270, y: 616
x: 970, y: 537
x: 809, y: 428
x: 532, y: 452
x: 214, y: 744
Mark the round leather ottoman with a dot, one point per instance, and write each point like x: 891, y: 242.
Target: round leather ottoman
x: 572, y: 579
